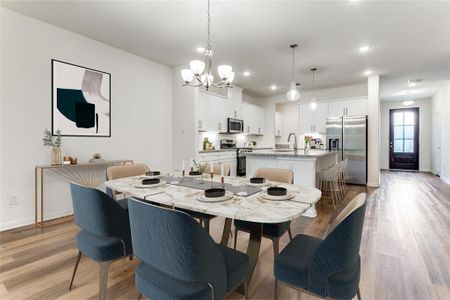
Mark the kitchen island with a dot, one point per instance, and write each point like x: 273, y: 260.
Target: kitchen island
x: 304, y: 164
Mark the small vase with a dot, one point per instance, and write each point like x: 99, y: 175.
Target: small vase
x: 56, y: 157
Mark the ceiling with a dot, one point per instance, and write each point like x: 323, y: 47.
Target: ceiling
x: 409, y: 39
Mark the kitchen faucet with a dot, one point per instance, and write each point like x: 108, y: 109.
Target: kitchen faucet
x: 295, y: 140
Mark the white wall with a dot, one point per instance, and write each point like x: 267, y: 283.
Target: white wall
x: 440, y: 106
x: 141, y: 111
x: 424, y: 132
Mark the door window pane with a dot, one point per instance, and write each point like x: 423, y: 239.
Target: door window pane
x: 398, y: 132
x: 409, y: 118
x: 409, y: 132
x: 409, y: 146
x: 398, y: 118
x: 398, y: 145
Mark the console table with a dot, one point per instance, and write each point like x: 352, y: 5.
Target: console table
x: 86, y: 174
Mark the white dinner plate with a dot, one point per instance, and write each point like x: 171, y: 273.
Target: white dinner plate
x: 150, y: 186
x: 228, y: 195
x: 266, y: 196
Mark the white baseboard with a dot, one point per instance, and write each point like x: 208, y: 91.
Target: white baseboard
x: 373, y: 184
x: 445, y: 179
x: 30, y: 220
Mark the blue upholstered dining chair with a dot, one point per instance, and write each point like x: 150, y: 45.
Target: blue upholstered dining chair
x: 179, y: 260
x: 273, y: 231
x: 329, y: 267
x: 105, y: 233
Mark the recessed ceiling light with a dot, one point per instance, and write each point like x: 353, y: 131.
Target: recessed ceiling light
x: 200, y: 49
x: 408, y: 102
x: 246, y: 73
x: 368, y: 72
x: 273, y: 87
x: 414, y: 82
x: 364, y: 49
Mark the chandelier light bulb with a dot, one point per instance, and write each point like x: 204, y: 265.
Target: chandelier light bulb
x: 293, y: 94
x: 230, y: 78
x: 197, y: 67
x: 313, y: 105
x: 224, y: 71
x: 187, y: 75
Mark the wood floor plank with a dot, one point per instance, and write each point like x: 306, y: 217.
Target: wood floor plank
x: 405, y: 250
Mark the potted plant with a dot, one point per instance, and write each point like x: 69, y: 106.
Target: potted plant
x: 307, y: 140
x: 55, y: 143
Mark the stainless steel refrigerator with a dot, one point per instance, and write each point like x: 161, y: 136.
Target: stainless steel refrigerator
x: 348, y: 135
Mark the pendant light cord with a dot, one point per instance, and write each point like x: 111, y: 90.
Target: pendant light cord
x: 314, y: 96
x: 293, y: 63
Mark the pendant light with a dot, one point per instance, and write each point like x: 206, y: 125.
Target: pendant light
x: 293, y: 94
x: 200, y: 73
x: 313, y: 104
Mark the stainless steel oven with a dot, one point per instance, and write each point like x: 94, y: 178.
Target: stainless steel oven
x: 241, y: 169
x: 235, y: 125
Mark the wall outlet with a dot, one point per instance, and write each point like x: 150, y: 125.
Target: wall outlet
x: 13, y: 200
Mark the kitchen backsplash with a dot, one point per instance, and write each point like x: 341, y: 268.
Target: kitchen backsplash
x: 241, y: 139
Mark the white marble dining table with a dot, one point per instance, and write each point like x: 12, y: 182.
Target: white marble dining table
x: 252, y: 208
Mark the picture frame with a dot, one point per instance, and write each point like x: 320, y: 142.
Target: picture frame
x: 81, y: 100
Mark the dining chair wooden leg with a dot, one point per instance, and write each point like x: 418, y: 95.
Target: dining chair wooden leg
x: 358, y: 294
x: 290, y: 233
x: 103, y: 281
x: 75, y: 269
x: 235, y: 238
x: 246, y: 289
x: 276, y: 247
x: 139, y: 296
x: 276, y: 289
x: 206, y: 224
x: 130, y: 257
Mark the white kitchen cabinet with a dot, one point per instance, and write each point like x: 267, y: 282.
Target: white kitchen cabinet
x: 226, y: 157
x: 212, y: 110
x: 224, y: 111
x: 354, y: 107
x: 253, y: 117
x: 202, y: 111
x: 313, y: 120
x: 278, y: 131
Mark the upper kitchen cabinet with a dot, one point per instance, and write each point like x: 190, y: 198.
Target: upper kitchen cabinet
x: 313, y: 120
x: 354, y: 107
x: 357, y: 107
x: 212, y: 112
x: 278, y: 131
x: 253, y: 117
x: 202, y: 111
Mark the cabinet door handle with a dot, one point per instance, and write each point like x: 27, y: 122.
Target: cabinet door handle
x: 199, y: 123
x: 220, y: 126
x: 248, y: 129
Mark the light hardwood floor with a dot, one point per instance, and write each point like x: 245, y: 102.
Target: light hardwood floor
x: 405, y: 250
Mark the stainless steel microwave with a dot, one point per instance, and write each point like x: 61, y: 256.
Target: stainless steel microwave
x: 235, y: 125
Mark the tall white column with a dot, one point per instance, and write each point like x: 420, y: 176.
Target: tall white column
x: 373, y: 105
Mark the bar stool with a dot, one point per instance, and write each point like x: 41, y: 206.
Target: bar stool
x: 329, y: 183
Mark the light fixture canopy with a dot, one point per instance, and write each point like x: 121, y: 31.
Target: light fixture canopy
x: 364, y: 48
x: 368, y: 72
x: 408, y: 102
x: 200, y: 73
x: 246, y: 73
x: 293, y: 94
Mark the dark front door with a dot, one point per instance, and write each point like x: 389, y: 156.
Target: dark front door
x: 404, y: 139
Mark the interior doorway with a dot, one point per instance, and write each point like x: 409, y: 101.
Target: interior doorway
x: 404, y: 139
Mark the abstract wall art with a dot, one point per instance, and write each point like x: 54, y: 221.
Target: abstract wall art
x: 81, y: 100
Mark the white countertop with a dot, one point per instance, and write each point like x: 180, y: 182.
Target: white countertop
x: 312, y: 153
x: 252, y: 208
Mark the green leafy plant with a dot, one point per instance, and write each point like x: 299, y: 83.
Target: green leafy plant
x: 198, y: 166
x: 52, y: 141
